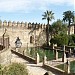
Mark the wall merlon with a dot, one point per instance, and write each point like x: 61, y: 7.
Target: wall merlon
x: 4, y: 23
x: 27, y: 25
x: 14, y: 24
x: 9, y: 23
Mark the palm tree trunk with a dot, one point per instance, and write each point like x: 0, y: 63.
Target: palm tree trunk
x: 69, y: 27
x: 47, y: 33
x: 69, y: 30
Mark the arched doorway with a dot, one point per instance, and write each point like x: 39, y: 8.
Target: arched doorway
x: 31, y: 39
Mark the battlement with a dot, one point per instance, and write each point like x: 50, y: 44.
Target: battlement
x: 22, y: 24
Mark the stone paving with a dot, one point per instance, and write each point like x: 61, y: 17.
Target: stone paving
x: 59, y: 61
x: 34, y: 69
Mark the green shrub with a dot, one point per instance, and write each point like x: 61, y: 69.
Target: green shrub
x: 15, y: 69
x: 60, y: 39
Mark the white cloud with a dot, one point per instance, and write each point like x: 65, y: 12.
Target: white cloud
x: 13, y: 5
x: 74, y: 4
x: 29, y: 5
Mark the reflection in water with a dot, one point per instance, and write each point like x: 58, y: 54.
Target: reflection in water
x: 72, y: 67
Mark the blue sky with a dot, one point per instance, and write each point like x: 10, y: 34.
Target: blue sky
x: 32, y: 10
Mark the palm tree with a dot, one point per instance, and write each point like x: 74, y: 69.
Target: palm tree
x: 68, y: 16
x: 48, y: 15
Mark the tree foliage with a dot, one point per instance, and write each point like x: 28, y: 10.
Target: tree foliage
x: 58, y: 27
x: 60, y: 39
x: 73, y: 37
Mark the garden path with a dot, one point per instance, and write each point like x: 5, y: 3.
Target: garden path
x: 34, y: 69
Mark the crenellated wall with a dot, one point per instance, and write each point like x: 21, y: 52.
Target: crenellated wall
x: 24, y: 31
x: 21, y: 24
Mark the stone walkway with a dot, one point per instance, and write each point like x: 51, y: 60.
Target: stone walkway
x: 34, y: 69
x: 59, y: 61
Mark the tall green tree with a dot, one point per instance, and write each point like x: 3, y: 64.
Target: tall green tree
x: 59, y: 33
x: 68, y: 16
x: 48, y: 15
x: 58, y: 27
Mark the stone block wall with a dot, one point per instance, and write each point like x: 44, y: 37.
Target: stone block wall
x: 5, y: 57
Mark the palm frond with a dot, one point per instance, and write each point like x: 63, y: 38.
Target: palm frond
x: 48, y: 15
x: 45, y: 13
x: 43, y: 18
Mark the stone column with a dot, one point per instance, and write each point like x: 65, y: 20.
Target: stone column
x: 70, y: 50
x: 56, y: 54
x: 67, y: 64
x: 44, y: 60
x: 53, y: 48
x: 37, y: 58
x: 64, y: 55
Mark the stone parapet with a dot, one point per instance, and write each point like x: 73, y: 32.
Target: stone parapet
x: 22, y: 24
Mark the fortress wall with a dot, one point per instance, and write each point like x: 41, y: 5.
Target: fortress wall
x: 18, y: 33
x: 23, y: 30
x: 21, y: 24
x: 23, y: 34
